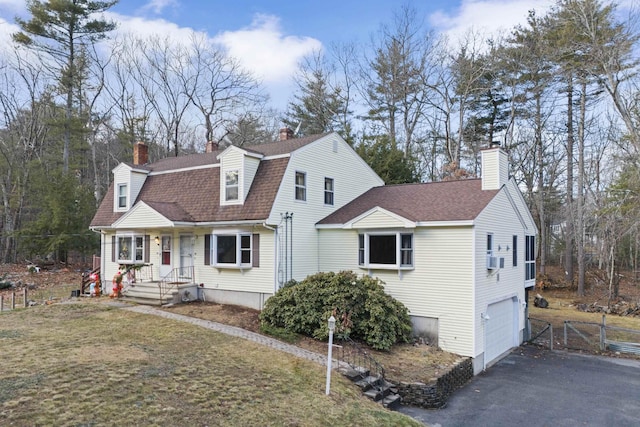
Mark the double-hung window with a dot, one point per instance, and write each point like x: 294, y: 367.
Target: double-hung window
x: 231, y: 185
x: 328, y: 191
x: 122, y: 196
x: 131, y: 249
x: 530, y: 257
x: 385, y: 250
x: 492, y: 261
x: 301, y: 186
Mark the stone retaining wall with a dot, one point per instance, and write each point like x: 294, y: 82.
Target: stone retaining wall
x: 435, y: 395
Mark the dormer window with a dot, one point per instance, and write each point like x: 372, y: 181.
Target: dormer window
x: 122, y: 196
x: 231, y: 185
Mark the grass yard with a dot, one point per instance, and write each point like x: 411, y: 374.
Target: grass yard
x: 91, y: 364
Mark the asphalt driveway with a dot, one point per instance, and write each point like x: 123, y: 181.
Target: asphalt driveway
x: 536, y: 387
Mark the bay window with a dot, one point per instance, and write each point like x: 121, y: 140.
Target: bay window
x: 233, y: 250
x: 386, y: 250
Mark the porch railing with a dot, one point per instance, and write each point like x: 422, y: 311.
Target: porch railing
x: 177, y: 276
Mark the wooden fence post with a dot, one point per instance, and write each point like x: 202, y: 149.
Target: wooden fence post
x: 1, y: 302
x: 13, y: 300
x: 550, y: 336
x: 24, y: 297
x: 603, y: 333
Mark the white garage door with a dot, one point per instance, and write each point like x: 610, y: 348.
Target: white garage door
x: 501, y: 331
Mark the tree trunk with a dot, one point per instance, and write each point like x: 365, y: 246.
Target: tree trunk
x: 580, y: 196
x: 569, y: 232
x: 540, y: 184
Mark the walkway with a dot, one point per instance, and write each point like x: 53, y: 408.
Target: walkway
x: 233, y: 331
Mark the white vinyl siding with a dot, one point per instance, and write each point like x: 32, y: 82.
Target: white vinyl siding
x: 316, y: 159
x: 439, y: 286
x: 250, y: 167
x: 378, y: 219
x: 499, y: 219
x: 142, y: 216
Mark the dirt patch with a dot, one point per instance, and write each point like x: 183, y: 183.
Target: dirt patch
x: 17, y: 277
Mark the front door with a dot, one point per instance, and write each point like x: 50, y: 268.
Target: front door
x: 165, y: 256
x: 186, y: 256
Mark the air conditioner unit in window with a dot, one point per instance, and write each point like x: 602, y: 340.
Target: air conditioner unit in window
x: 492, y: 262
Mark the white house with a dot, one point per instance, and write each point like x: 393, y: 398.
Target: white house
x: 459, y: 254
x: 239, y: 223
x: 233, y: 226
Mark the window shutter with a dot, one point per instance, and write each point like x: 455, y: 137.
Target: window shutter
x: 113, y: 248
x: 207, y: 249
x: 147, y: 247
x: 255, y: 247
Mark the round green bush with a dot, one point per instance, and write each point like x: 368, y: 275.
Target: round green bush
x: 360, y: 305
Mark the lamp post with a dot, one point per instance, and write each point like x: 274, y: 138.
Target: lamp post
x: 332, y: 327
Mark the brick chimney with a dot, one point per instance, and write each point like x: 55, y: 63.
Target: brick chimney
x: 286, y: 133
x: 211, y: 147
x: 140, y: 153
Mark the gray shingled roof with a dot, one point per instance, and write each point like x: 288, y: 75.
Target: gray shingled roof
x: 193, y: 195
x: 435, y: 201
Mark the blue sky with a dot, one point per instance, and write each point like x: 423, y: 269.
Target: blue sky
x: 270, y: 37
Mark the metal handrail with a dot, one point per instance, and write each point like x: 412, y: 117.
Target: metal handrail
x: 175, y: 277
x: 351, y: 353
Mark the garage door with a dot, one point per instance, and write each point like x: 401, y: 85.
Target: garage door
x: 501, y: 331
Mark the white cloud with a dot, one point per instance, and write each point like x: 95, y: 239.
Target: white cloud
x: 144, y: 28
x: 157, y: 6
x: 491, y: 17
x: 265, y: 51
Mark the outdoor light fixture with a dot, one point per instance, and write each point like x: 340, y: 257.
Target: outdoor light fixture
x: 157, y: 240
x: 332, y: 327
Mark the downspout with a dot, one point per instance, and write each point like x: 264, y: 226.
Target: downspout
x: 277, y: 255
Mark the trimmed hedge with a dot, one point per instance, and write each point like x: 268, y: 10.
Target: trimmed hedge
x: 360, y: 305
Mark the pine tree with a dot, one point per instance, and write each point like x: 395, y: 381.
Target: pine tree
x: 59, y: 29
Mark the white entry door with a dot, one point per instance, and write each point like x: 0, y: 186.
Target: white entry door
x: 186, y: 256
x: 501, y: 329
x: 166, y: 262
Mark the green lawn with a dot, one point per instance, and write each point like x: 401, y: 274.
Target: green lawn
x: 90, y: 364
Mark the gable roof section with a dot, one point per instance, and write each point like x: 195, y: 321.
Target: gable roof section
x: 425, y: 202
x: 147, y: 214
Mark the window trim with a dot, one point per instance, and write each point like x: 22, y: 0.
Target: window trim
x: 239, y: 250
x: 120, y: 197
x: 364, y: 256
x: 329, y: 192
x: 302, y: 187
x: 227, y: 186
x: 529, y: 257
x: 138, y: 244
